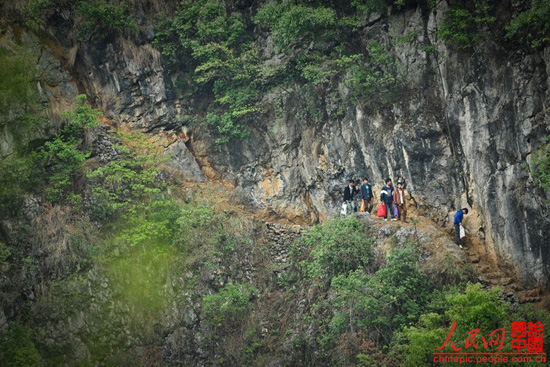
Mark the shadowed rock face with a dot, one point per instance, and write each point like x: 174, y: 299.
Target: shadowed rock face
x: 461, y: 134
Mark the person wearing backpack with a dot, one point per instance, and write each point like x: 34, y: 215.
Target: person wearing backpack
x: 386, y: 197
x: 458, y: 223
x: 400, y: 201
x: 366, y: 195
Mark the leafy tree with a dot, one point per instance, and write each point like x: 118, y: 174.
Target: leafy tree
x: 154, y: 221
x: 210, y: 45
x: 104, y: 19
x: 298, y: 24
x: 376, y: 79
x: 376, y: 6
x: 130, y: 178
x: 63, y: 160
x: 419, y: 341
x: 394, y: 297
x: 535, y: 23
x: 229, y: 305
x: 63, y: 155
x: 338, y: 247
x: 465, y: 26
x: 198, y: 30
x: 18, y: 349
x: 541, y: 163
x: 4, y: 252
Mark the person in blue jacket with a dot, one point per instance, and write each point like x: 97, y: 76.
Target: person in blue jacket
x: 458, y: 223
x: 386, y: 197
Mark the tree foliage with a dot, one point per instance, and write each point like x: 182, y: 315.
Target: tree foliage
x: 207, y: 43
x: 211, y: 51
x: 376, y: 6
x: 465, y: 26
x: 338, y: 247
x: 102, y: 19
x: 298, y: 24
x: 381, y: 304
x: 541, y: 163
x: 17, y: 82
x: 18, y: 349
x: 534, y: 23
x: 229, y: 305
x: 63, y: 155
x: 129, y: 178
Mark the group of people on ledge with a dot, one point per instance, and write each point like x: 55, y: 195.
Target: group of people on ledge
x: 393, y: 199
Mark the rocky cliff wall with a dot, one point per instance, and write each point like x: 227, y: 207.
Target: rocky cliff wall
x: 461, y: 134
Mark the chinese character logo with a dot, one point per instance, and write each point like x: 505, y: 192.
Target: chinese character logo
x: 524, y: 336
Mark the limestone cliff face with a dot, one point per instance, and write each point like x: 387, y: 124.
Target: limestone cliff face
x: 461, y: 134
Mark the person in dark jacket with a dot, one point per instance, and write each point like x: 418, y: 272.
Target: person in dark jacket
x: 386, y: 197
x: 349, y: 195
x: 458, y: 223
x: 366, y: 194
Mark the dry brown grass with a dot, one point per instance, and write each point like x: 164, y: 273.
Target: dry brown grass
x: 153, y: 357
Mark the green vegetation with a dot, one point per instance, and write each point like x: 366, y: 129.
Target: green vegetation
x: 534, y: 23
x: 96, y: 20
x: 140, y: 258
x: 131, y: 177
x: 465, y: 26
x: 393, y: 316
x: 378, y: 78
x: 381, y: 304
x: 541, y: 163
x: 338, y: 247
x: 298, y: 24
x: 376, y: 6
x: 211, y: 53
x: 4, y: 252
x: 18, y: 349
x: 36, y: 12
x: 17, y: 82
x: 62, y: 157
x: 229, y: 306
x: 102, y: 19
x: 209, y: 44
x: 20, y: 118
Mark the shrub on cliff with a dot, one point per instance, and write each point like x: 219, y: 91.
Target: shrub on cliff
x: 102, y: 19
x: 541, y: 162
x: 228, y: 306
x: 465, y: 25
x: 381, y: 304
x: 337, y: 247
x: 18, y: 349
x: 534, y: 24
x: 62, y: 156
